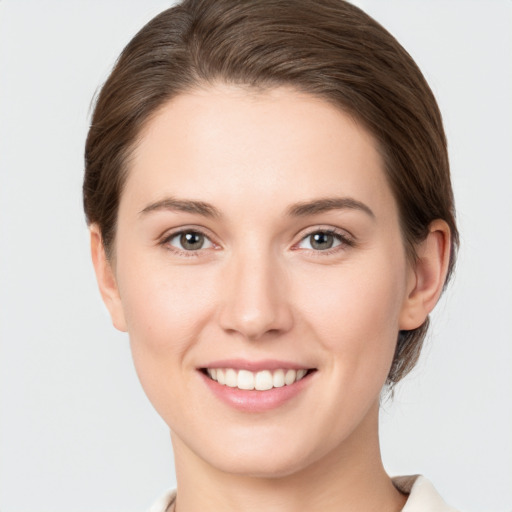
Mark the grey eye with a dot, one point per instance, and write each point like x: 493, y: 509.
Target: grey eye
x: 190, y: 241
x: 320, y: 241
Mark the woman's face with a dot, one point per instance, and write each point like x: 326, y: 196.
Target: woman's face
x: 258, y: 241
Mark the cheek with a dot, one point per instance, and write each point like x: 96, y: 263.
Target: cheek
x: 354, y: 311
x: 166, y: 309
x: 164, y: 302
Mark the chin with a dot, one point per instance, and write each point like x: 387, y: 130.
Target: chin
x: 268, y: 465
x: 267, y: 454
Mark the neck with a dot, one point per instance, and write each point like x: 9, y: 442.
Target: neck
x: 349, y: 478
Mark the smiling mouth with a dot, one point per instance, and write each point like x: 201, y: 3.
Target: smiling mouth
x: 260, y: 381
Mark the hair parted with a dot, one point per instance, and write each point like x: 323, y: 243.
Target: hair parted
x: 328, y: 48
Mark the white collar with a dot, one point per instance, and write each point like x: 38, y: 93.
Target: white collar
x: 422, y: 496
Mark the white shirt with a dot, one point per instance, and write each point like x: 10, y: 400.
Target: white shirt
x: 422, y: 496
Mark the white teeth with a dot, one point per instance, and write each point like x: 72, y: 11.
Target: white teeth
x: 261, y: 381
x: 231, y: 378
x: 278, y: 379
x: 220, y: 376
x: 290, y: 377
x: 245, y: 379
x: 301, y: 373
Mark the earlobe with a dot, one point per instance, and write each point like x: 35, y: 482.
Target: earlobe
x: 106, y: 279
x: 427, y: 277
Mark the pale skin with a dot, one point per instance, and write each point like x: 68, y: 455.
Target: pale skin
x: 257, y: 286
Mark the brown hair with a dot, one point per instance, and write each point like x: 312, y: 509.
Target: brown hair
x: 327, y: 48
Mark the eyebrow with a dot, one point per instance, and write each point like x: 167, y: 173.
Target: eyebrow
x: 303, y: 209
x: 183, y: 205
x: 326, y: 204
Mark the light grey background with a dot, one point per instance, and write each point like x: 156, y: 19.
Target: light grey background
x: 76, y: 431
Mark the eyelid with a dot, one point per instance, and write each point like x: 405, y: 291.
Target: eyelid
x: 165, y: 238
x: 346, y: 239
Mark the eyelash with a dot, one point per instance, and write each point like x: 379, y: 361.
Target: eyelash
x: 344, y: 239
x: 182, y: 252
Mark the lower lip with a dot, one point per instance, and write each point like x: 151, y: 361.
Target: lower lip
x: 253, y: 400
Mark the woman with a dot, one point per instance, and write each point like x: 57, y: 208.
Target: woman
x: 272, y: 221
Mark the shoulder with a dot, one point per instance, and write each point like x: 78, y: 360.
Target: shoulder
x: 423, y: 497
x: 165, y: 503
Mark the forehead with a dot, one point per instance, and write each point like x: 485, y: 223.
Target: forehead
x: 234, y: 146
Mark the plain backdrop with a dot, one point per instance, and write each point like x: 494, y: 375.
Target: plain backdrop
x: 76, y: 432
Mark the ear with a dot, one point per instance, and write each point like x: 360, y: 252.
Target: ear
x: 106, y: 279
x: 427, y: 276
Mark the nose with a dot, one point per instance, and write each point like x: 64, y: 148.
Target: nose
x: 256, y: 303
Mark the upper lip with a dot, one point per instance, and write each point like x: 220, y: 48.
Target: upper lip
x: 255, y: 366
